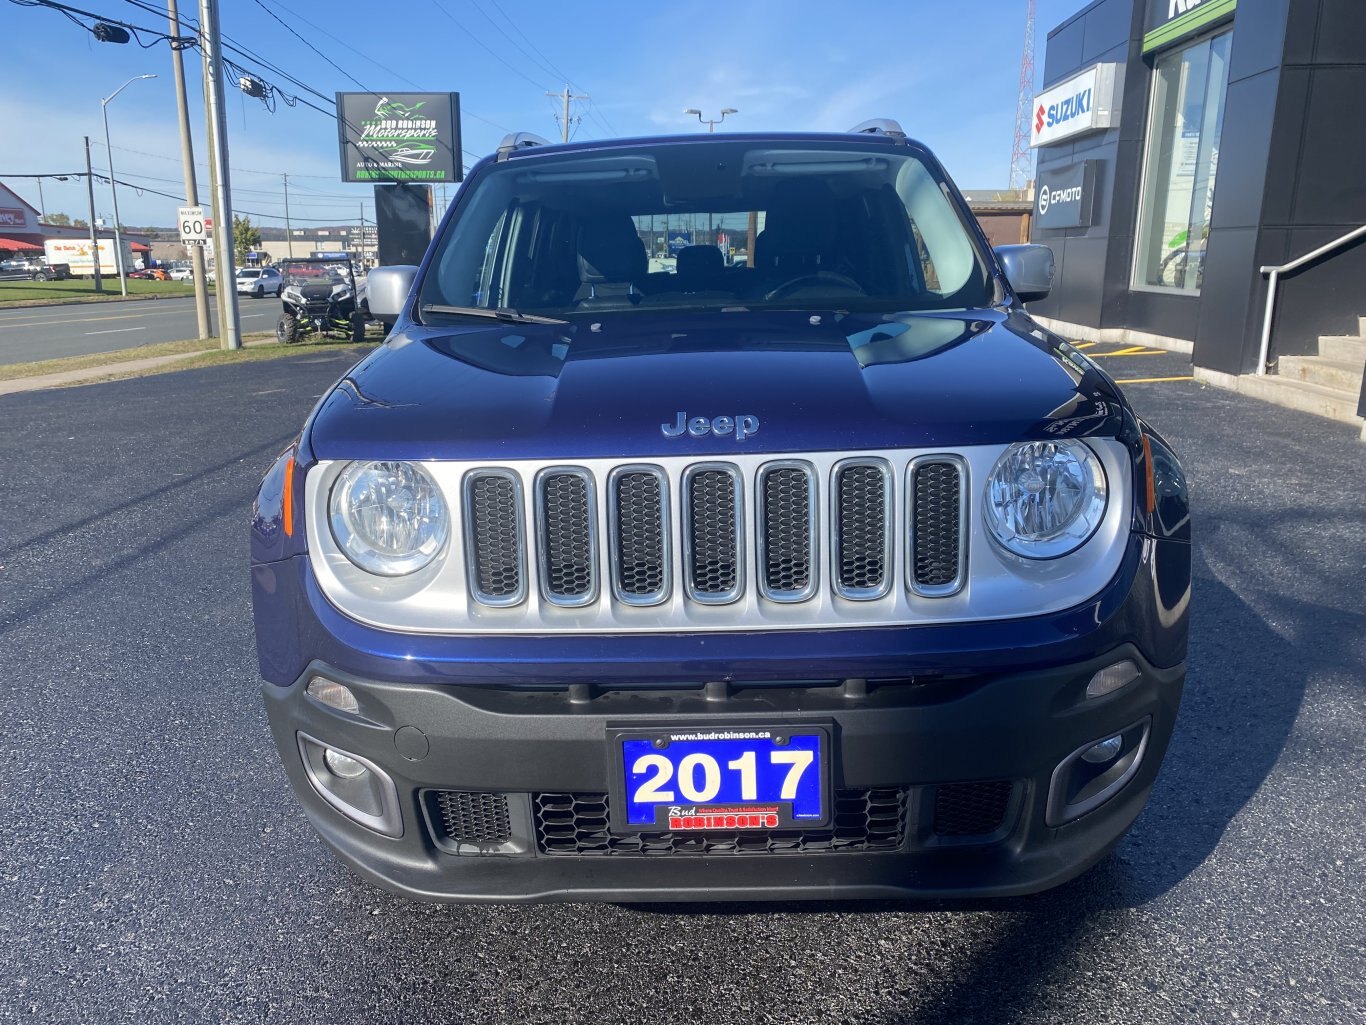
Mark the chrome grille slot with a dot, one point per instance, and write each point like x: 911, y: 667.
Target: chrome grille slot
x: 786, y: 522
x: 713, y: 531
x: 566, y: 524
x: 862, y: 499
x: 495, y: 541
x: 639, y: 529
x: 937, y: 498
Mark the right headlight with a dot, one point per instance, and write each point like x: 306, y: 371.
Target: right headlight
x: 389, y: 518
x: 1045, y: 498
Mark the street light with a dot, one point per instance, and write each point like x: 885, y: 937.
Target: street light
x: 711, y: 125
x: 113, y: 190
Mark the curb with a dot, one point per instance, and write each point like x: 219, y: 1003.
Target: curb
x: 39, y: 382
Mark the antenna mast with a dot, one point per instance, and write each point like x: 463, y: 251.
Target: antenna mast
x: 1021, y: 158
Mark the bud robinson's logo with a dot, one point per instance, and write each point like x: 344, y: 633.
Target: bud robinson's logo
x: 398, y: 134
x: 1038, y: 118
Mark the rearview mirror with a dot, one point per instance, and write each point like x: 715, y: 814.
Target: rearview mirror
x: 1028, y: 269
x: 387, y: 288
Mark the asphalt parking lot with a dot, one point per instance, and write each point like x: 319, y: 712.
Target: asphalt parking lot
x: 153, y: 867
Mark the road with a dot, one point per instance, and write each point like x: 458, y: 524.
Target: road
x: 154, y: 867
x: 50, y: 332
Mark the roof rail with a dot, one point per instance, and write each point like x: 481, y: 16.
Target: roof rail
x: 879, y: 126
x: 519, y: 140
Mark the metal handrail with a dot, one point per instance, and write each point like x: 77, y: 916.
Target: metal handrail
x: 1275, y: 278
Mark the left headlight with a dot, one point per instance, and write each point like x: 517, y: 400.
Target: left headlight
x: 389, y: 518
x: 1044, y: 499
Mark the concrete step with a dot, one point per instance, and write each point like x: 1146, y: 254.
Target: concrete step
x: 1311, y: 398
x: 1348, y: 347
x: 1344, y: 375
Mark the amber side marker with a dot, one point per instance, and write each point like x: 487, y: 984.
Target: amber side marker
x: 289, y: 498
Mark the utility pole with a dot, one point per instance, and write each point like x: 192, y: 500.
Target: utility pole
x: 210, y: 42
x: 94, y: 235
x: 218, y: 298
x: 289, y: 233
x: 201, y: 284
x: 360, y: 246
x: 566, y: 96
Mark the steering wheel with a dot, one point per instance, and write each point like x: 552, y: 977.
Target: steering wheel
x: 819, y: 277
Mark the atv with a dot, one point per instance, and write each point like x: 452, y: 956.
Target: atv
x: 319, y: 295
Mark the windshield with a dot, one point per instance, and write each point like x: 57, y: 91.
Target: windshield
x: 248, y: 273
x: 709, y: 225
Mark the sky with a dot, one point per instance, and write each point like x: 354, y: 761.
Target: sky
x: 947, y: 71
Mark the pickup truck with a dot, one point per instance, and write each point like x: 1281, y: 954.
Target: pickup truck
x: 33, y: 269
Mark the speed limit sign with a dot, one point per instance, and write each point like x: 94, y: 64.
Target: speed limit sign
x: 193, y: 230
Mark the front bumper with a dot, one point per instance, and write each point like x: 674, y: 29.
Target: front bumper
x: 531, y: 750
x: 525, y: 720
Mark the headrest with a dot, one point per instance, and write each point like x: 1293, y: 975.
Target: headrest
x: 611, y: 250
x: 801, y: 219
x: 699, y: 261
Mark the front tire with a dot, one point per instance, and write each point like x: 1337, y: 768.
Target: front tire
x: 286, y: 329
x: 40, y: 276
x: 357, y: 327
x: 260, y: 292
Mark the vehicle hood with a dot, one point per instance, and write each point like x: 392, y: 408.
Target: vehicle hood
x: 815, y: 382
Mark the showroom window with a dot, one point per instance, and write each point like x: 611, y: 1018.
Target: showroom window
x: 1189, y: 86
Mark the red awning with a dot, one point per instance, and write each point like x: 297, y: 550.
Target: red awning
x: 14, y: 243
x: 138, y: 247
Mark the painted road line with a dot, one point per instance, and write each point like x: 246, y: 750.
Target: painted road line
x: 1083, y: 345
x: 1135, y: 351
x: 1152, y: 380
x: 112, y: 331
x: 86, y: 320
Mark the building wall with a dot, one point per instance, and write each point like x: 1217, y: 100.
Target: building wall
x: 1289, y: 179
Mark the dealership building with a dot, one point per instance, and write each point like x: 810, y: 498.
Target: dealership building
x: 1191, y: 155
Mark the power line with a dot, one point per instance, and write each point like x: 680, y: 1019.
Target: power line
x: 290, y: 29
x: 494, y: 53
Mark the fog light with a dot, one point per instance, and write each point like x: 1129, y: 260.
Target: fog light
x: 348, y: 768
x: 1096, y: 754
x: 1112, y: 678
x: 333, y: 694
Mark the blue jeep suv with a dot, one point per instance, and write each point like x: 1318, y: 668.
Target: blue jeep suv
x: 715, y: 523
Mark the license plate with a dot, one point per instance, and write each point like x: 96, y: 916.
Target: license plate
x: 693, y: 779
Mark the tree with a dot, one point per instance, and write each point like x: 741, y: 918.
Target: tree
x: 245, y: 237
x: 80, y: 222
x: 61, y: 220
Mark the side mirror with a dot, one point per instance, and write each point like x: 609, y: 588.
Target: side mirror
x: 387, y: 288
x: 1028, y: 269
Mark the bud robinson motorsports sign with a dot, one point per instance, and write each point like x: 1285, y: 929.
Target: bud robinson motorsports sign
x: 399, y: 137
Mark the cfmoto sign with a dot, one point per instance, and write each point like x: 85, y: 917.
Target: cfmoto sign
x: 1082, y: 103
x: 1066, y: 195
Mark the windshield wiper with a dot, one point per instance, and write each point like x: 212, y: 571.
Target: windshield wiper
x: 504, y: 313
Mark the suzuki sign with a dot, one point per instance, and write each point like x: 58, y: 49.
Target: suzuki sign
x: 1083, y: 103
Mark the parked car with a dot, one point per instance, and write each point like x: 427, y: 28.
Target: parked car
x: 832, y: 576
x: 259, y: 281
x: 150, y: 274
x: 33, y: 268
x: 181, y: 272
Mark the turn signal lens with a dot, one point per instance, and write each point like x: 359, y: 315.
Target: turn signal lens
x: 1112, y: 678
x: 329, y: 692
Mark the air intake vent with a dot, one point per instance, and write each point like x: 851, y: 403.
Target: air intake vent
x: 711, y: 533
x: 494, y: 546
x: 566, y: 523
x: 639, y: 526
x: 577, y: 825
x: 458, y: 817
x: 936, y: 520
x: 787, y: 518
x: 863, y: 551
x: 964, y: 810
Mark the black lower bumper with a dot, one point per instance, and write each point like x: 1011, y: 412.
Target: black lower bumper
x: 906, y: 741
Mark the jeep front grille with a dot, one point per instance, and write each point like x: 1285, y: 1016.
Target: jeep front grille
x: 712, y: 503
